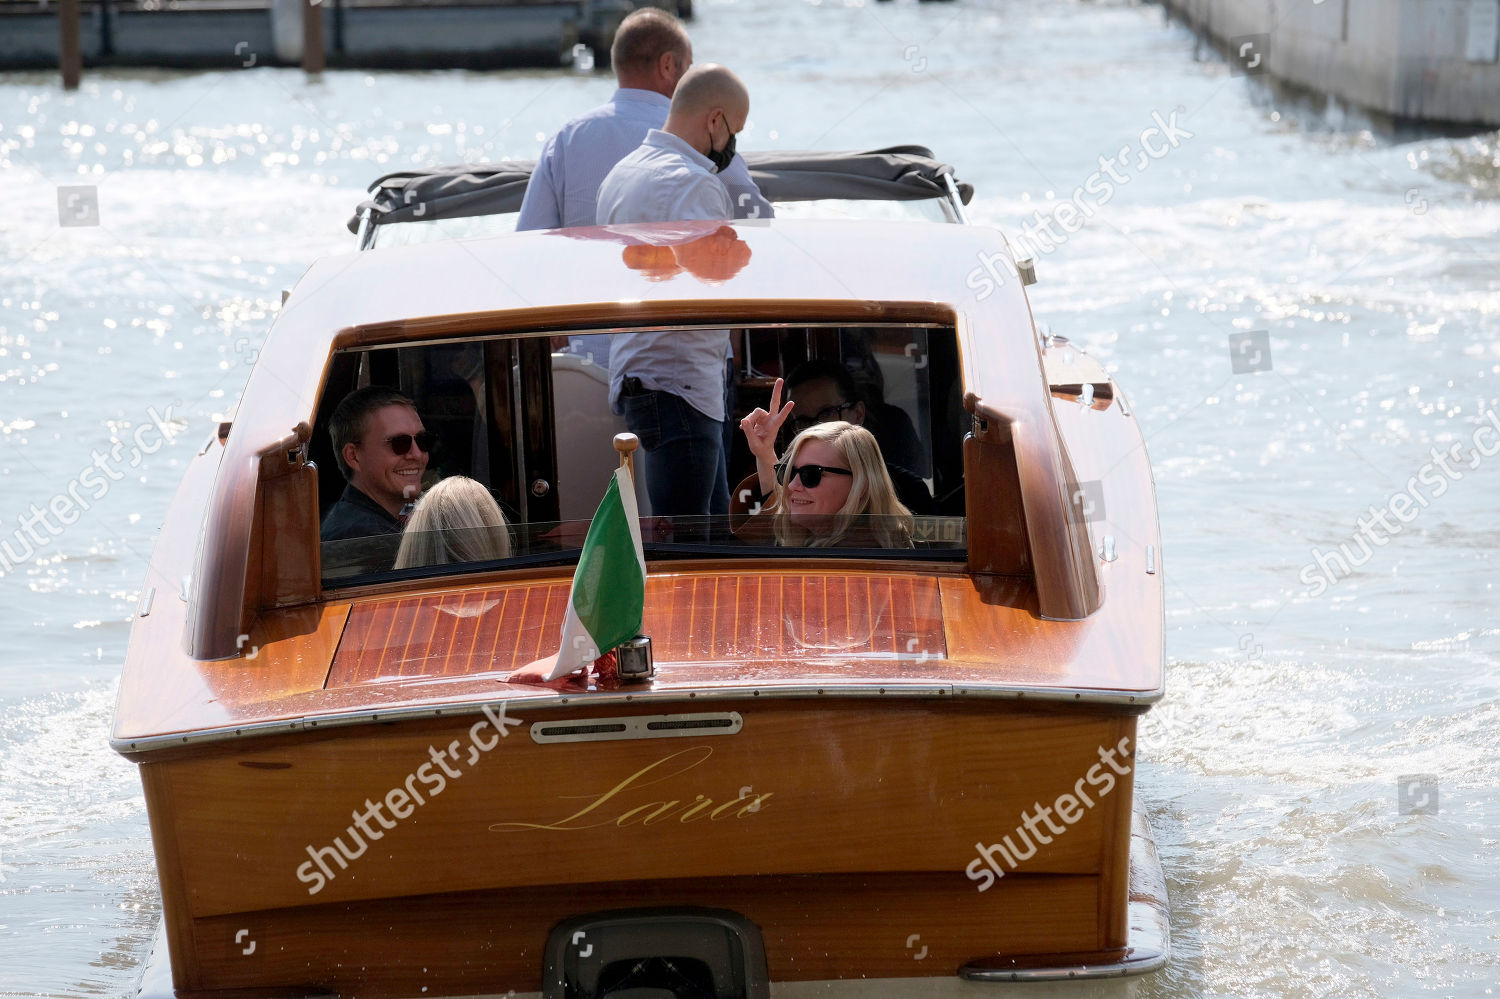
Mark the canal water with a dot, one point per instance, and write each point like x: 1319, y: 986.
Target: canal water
x: 1303, y: 306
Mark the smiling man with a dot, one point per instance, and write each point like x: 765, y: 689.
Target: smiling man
x: 382, y: 449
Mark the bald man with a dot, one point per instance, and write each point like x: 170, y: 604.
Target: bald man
x: 670, y: 386
x: 673, y: 174
x: 650, y: 54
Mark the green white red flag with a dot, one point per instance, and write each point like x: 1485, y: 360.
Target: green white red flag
x: 609, y: 587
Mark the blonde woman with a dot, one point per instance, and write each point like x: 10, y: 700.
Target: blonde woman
x: 834, y: 490
x: 456, y: 520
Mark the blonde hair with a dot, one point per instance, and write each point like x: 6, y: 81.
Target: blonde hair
x: 456, y: 520
x: 872, y: 493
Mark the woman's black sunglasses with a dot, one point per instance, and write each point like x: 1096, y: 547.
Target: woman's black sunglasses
x: 401, y: 443
x: 813, y: 474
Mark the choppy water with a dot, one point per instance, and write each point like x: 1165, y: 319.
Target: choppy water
x: 1271, y: 770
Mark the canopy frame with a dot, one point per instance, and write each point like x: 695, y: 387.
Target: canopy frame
x: 896, y: 173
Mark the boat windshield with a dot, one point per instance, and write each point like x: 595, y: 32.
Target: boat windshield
x: 522, y: 448
x: 438, y: 552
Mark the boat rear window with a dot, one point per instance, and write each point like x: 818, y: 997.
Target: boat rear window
x: 530, y: 422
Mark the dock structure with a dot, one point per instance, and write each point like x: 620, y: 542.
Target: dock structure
x: 377, y: 34
x: 1418, y: 60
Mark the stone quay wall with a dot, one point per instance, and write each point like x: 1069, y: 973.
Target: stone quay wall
x: 1424, y: 60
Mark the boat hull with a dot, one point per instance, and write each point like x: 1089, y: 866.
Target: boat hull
x: 1146, y: 950
x: 840, y: 828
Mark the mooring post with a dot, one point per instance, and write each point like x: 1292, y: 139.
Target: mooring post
x: 312, y: 37
x: 69, y: 52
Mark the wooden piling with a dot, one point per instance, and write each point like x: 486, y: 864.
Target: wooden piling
x: 312, y: 37
x: 69, y: 51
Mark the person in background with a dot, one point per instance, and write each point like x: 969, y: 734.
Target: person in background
x: 833, y: 490
x: 382, y: 449
x: 670, y: 386
x: 650, y: 54
x: 822, y: 391
x: 457, y: 520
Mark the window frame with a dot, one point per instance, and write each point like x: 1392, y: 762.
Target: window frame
x: 654, y: 551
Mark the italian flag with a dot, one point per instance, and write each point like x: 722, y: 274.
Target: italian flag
x: 609, y: 586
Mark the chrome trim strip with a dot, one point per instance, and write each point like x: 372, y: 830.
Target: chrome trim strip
x: 637, y: 727
x: 1141, y: 701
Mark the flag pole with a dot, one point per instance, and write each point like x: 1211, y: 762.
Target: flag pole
x: 626, y: 445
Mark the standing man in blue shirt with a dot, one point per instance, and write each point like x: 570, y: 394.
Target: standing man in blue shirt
x: 670, y: 385
x: 651, y: 52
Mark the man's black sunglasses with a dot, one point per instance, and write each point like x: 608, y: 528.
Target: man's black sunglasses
x: 813, y: 474
x: 401, y: 443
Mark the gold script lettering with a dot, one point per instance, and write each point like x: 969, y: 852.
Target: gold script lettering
x: 698, y: 754
x: 593, y: 814
x: 698, y: 806
x: 662, y: 808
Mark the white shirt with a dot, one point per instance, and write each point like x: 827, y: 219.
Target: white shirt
x: 667, y: 180
x: 663, y: 180
x: 686, y: 363
x: 574, y: 162
x: 565, y: 183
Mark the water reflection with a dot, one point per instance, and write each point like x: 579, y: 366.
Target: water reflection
x: 710, y: 251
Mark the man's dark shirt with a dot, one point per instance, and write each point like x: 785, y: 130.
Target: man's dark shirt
x: 911, y: 490
x: 355, y: 515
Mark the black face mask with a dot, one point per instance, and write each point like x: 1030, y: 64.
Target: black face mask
x: 722, y: 157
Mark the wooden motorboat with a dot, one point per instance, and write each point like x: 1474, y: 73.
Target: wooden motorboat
x: 852, y: 765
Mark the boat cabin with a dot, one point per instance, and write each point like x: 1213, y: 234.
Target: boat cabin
x: 958, y: 389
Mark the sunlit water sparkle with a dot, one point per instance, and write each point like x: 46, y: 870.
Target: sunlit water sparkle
x: 1270, y: 770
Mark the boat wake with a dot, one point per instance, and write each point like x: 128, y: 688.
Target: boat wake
x: 72, y: 833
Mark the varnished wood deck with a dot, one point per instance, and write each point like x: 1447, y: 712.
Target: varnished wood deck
x: 719, y: 619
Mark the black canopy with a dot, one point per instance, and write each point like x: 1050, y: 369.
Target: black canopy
x: 899, y: 173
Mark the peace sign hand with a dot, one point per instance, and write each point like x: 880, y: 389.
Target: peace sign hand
x: 761, y: 427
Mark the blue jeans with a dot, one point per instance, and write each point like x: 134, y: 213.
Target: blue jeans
x: 686, y: 472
